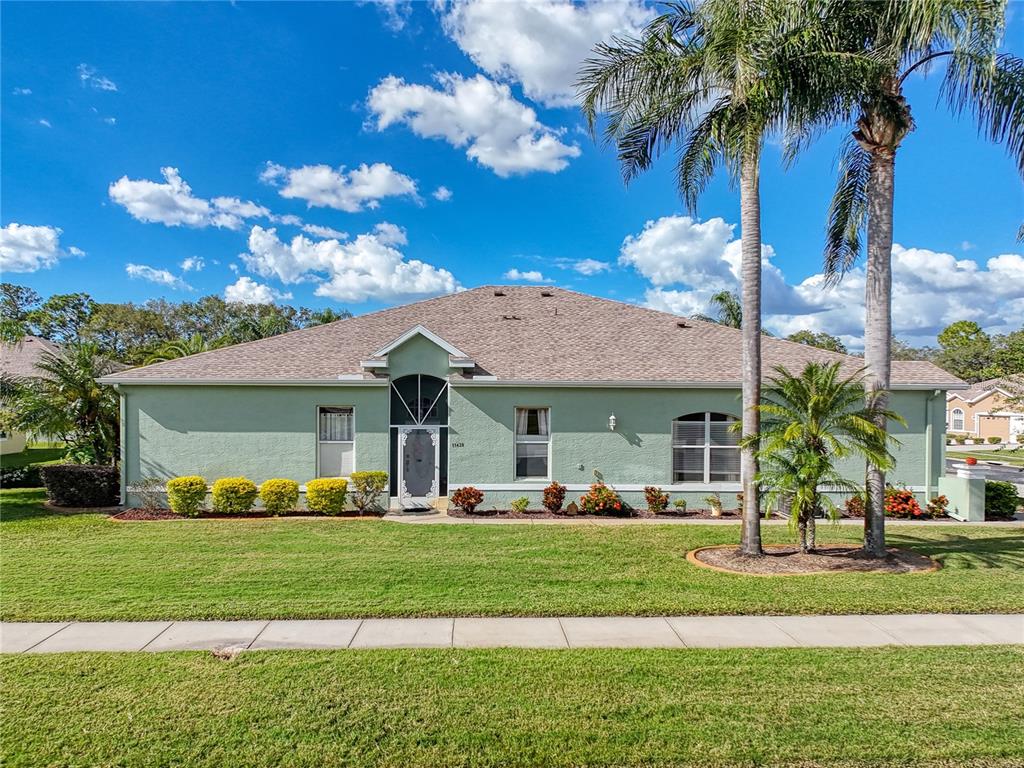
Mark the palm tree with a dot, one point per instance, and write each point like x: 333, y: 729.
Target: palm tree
x: 728, y: 308
x: 172, y: 350
x: 65, y: 401
x: 256, y: 327
x: 871, y: 50
x: 808, y: 423
x: 708, y: 79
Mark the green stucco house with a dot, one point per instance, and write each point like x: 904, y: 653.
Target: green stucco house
x: 502, y: 388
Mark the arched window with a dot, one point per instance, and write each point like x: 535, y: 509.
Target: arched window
x: 705, y: 449
x: 418, y: 400
x: 958, y: 420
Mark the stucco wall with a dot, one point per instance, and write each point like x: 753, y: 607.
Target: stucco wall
x: 258, y: 432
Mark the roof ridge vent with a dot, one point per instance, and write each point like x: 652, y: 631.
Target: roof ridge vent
x: 511, y: 317
x: 499, y: 292
x: 546, y: 293
x: 682, y: 324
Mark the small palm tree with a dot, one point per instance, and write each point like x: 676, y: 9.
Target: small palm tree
x: 808, y: 422
x: 65, y: 401
x: 172, y: 350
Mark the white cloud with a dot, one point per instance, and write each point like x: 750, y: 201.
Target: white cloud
x: 25, y: 248
x: 530, y: 276
x: 45, y: 123
x: 478, y: 114
x: 110, y: 120
x: 591, y: 266
x: 368, y: 267
x: 193, y: 264
x: 396, y: 13
x: 322, y: 185
x: 442, y: 193
x: 172, y: 203
x: 88, y: 77
x: 930, y: 289
x: 154, y: 275
x: 967, y: 245
x: 22, y: 91
x: 324, y: 233
x: 540, y: 43
x: 245, y: 290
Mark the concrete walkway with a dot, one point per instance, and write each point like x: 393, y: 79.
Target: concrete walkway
x: 578, y: 632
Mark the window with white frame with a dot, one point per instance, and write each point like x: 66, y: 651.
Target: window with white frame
x: 335, y: 442
x: 958, y: 420
x: 533, y: 443
x: 705, y: 449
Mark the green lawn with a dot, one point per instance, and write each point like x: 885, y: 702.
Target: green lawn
x: 88, y: 567
x: 774, y: 707
x: 32, y: 456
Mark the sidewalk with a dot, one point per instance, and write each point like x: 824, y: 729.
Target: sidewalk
x: 577, y: 632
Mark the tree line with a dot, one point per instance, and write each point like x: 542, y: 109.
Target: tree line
x: 133, y: 334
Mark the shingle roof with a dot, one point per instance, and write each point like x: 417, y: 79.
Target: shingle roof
x: 19, y: 360
x: 536, y: 334
x: 980, y: 389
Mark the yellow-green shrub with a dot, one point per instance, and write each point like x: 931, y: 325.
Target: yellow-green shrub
x: 234, y: 495
x: 185, y: 495
x: 367, y: 488
x: 326, y: 495
x: 279, y: 495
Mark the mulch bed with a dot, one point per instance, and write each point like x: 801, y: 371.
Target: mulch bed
x: 781, y: 560
x: 543, y: 514
x: 137, y: 514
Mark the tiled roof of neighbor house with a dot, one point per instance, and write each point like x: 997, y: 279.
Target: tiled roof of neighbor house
x: 20, y: 359
x: 980, y: 389
x: 519, y: 333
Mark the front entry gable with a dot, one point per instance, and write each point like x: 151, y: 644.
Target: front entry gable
x: 418, y: 350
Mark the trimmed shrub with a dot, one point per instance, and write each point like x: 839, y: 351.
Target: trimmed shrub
x: 367, y: 488
x: 520, y: 505
x: 855, y: 506
x: 680, y: 504
x: 978, y: 440
x: 234, y: 495
x: 657, y: 500
x: 81, y: 485
x: 185, y: 495
x: 554, y: 497
x: 467, y: 498
x: 937, y: 507
x: 993, y: 440
x: 279, y: 495
x: 602, y: 500
x: 1001, y: 500
x: 326, y: 495
x: 21, y: 477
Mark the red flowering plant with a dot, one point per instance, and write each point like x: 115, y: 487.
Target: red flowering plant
x: 467, y: 498
x: 937, y: 507
x: 554, y: 497
x: 855, y: 506
x: 602, y: 500
x: 899, y: 502
x: 657, y: 500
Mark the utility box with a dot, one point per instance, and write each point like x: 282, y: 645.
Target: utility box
x: 966, y: 493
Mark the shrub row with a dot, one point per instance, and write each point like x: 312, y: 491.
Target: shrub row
x: 962, y: 439
x: 237, y: 495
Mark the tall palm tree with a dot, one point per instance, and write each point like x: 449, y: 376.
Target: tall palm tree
x: 873, y: 48
x: 65, y: 401
x: 709, y: 80
x: 809, y: 422
x: 172, y: 350
x: 728, y: 309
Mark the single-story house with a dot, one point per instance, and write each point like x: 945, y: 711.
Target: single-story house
x: 18, y: 361
x: 502, y: 388
x: 984, y: 411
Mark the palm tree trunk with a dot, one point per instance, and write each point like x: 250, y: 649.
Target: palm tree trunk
x: 878, y: 327
x: 801, y: 525
x: 750, y: 273
x: 812, y: 531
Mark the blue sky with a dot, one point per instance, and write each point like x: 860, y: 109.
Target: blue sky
x: 351, y: 117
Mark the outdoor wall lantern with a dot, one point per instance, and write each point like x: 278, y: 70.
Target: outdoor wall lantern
x: 611, y: 422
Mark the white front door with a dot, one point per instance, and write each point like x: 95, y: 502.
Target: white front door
x: 418, y: 466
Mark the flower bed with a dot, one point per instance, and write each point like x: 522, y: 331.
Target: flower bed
x: 137, y: 514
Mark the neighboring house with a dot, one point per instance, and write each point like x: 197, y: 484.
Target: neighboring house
x: 19, y: 361
x: 984, y: 411
x: 503, y: 388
